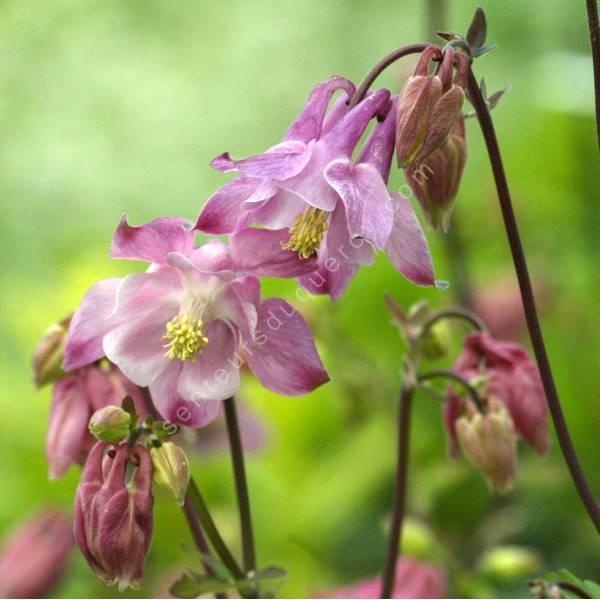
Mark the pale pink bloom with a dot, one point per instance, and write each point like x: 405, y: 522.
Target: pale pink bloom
x: 510, y: 376
x: 74, y: 399
x: 113, y: 512
x: 35, y: 556
x: 186, y: 325
x: 324, y: 204
x: 414, y: 579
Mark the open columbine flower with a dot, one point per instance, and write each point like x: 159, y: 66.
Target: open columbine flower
x: 325, y: 205
x: 185, y: 326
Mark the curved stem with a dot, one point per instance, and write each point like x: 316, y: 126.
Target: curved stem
x: 452, y: 376
x: 535, y: 332
x: 383, y: 64
x: 454, y: 313
x: 241, y: 484
x: 574, y: 589
x: 404, y: 414
x: 594, y: 25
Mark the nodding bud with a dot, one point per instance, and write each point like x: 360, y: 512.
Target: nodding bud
x: 171, y: 469
x: 48, y: 356
x: 35, y: 556
x: 489, y: 442
x: 110, y: 424
x: 113, y: 512
x: 429, y: 106
x: 437, y: 341
x: 436, y: 180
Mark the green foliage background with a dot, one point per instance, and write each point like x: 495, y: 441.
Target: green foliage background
x: 119, y: 105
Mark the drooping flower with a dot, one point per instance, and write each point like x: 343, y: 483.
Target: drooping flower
x: 186, y: 325
x: 507, y: 374
x: 325, y: 205
x: 414, y: 579
x: 436, y: 180
x: 74, y: 400
x: 35, y: 556
x: 429, y: 106
x: 113, y: 512
x: 489, y: 442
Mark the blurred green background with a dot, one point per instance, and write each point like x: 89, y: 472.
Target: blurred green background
x: 119, y: 105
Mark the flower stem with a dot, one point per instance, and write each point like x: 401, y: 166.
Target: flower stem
x: 452, y: 376
x: 383, y: 64
x: 195, y: 499
x: 241, y: 484
x: 594, y: 25
x: 404, y: 414
x: 454, y: 313
x: 535, y: 332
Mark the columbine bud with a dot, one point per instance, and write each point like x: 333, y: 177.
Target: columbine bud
x: 113, y: 512
x: 510, y: 563
x: 429, y: 107
x: 171, y: 469
x: 436, y: 344
x: 48, y: 356
x: 436, y: 180
x: 110, y: 424
x: 35, y: 556
x: 489, y: 442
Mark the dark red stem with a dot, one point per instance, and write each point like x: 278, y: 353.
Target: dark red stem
x: 594, y: 25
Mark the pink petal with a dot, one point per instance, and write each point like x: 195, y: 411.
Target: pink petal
x: 212, y: 257
x: 174, y: 408
x: 336, y: 114
x: 153, y: 241
x: 308, y: 124
x: 279, y: 162
x: 283, y: 354
x: 407, y: 246
x: 279, y: 211
x: 89, y: 324
x: 369, y: 210
x: 333, y: 280
x: 137, y: 347
x: 224, y: 210
x: 259, y: 251
x: 215, y: 373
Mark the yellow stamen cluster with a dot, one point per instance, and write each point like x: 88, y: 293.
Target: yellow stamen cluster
x: 185, y: 338
x: 307, y: 232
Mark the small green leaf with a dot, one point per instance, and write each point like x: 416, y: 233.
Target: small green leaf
x: 128, y: 406
x: 268, y: 573
x: 192, y: 585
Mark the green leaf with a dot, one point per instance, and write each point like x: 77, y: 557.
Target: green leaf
x: 268, y: 573
x: 590, y: 588
x: 192, y: 585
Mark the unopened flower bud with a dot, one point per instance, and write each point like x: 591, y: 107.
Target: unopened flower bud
x: 35, y: 556
x: 48, y: 356
x: 436, y: 180
x: 113, y: 512
x: 488, y: 441
x: 171, y: 469
x: 510, y: 563
x: 436, y: 344
x: 110, y: 424
x: 428, y: 109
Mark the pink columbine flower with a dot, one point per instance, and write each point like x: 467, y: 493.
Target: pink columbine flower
x: 35, y: 556
x: 113, y: 512
x: 74, y: 400
x: 509, y: 375
x: 323, y: 203
x: 414, y: 579
x: 186, y: 325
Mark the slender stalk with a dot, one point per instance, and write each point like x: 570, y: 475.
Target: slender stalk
x: 241, y: 485
x: 198, y: 535
x: 198, y: 515
x: 404, y: 415
x: 452, y: 376
x: 535, y: 332
x: 383, y: 64
x: 197, y: 502
x: 594, y: 25
x: 574, y: 589
x: 454, y: 313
